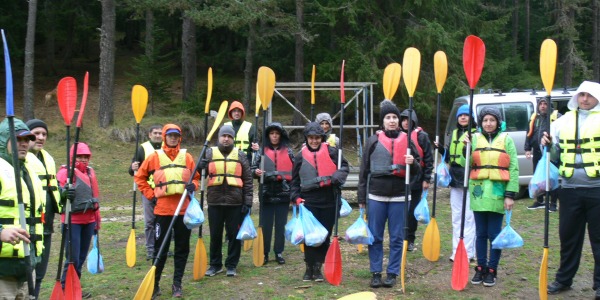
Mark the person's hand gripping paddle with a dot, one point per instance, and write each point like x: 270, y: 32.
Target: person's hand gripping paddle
x: 139, y: 102
x: 547, y: 71
x: 431, y: 238
x: 473, y: 59
x: 146, y: 288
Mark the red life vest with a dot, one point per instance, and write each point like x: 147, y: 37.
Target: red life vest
x: 317, y: 168
x: 388, y: 156
x: 278, y: 163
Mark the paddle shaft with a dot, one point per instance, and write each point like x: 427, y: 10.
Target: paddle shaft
x: 467, y: 163
x: 547, y: 162
x: 202, y: 176
x: 69, y: 181
x: 407, y: 177
x: 339, y: 165
x: 137, y: 143
x: 437, y: 141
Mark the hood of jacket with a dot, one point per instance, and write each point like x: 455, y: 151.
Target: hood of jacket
x: 236, y: 104
x: 593, y: 88
x: 171, y: 152
x: 284, y: 140
x: 415, y: 119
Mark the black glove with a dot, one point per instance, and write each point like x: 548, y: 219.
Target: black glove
x: 203, y: 164
x: 71, y: 194
x: 246, y: 209
x: 338, y: 178
x: 190, y: 187
x: 153, y: 201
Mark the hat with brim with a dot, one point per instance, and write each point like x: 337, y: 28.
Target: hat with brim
x: 26, y: 133
x: 173, y: 130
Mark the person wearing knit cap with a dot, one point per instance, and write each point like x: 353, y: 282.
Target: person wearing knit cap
x: 381, y: 188
x: 244, y: 138
x: 46, y: 172
x: 229, y: 196
x: 326, y: 122
x: 574, y: 138
x: 493, y: 184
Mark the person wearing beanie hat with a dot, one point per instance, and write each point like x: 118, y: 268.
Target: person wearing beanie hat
x: 46, y: 172
x: 455, y: 158
x: 326, y: 122
x: 493, y: 184
x: 316, y: 182
x: 229, y: 196
x: 171, y: 168
x: 577, y: 130
x: 244, y: 138
x: 382, y: 183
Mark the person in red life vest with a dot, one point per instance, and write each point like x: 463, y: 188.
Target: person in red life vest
x: 171, y: 168
x: 419, y: 182
x: 277, y: 174
x: 85, y: 213
x: 382, y: 182
x: 316, y: 182
x: 493, y: 184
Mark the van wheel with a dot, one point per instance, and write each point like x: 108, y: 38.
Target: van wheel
x: 523, y: 193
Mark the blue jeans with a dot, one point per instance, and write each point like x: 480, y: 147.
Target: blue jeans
x: 487, y: 227
x: 81, y: 238
x: 377, y: 214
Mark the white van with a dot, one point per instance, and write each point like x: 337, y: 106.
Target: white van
x: 516, y: 109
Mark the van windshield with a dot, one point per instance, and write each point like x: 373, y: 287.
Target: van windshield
x: 515, y: 114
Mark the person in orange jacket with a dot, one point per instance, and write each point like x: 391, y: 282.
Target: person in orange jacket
x: 171, y: 168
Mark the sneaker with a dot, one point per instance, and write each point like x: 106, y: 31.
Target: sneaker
x: 86, y: 295
x: 536, y: 205
x: 231, y: 272
x: 177, y: 291
x: 308, y: 275
x: 390, y: 280
x: 156, y: 293
x: 553, y: 207
x: 266, y: 260
x: 490, y: 277
x: 317, y: 275
x: 376, y: 281
x: 557, y: 287
x: 411, y: 247
x: 212, y: 271
x: 479, y: 274
x: 279, y: 259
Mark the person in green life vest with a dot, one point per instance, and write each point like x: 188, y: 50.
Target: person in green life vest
x: 244, y: 138
x: 493, y: 184
x: 324, y: 119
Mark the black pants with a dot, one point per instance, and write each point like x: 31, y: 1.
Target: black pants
x: 182, y: 246
x: 415, y: 197
x: 231, y: 217
x: 553, y: 194
x: 325, y: 216
x: 42, y: 267
x: 274, y: 213
x: 578, y: 207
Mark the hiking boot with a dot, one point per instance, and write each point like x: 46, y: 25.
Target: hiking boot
x: 266, y: 260
x: 212, y: 271
x: 536, y: 205
x: 411, y: 247
x: 231, y: 272
x: 390, y: 280
x: 86, y: 295
x: 479, y: 274
x: 490, y: 277
x: 597, y: 294
x: 376, y: 280
x: 557, y: 287
x: 553, y: 207
x: 317, y: 275
x: 279, y: 259
x: 156, y: 293
x: 308, y: 275
x: 177, y: 291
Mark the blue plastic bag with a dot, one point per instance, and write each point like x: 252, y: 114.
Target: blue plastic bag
x: 508, y: 237
x: 359, y: 233
x: 297, y: 234
x: 422, y: 210
x: 537, y: 184
x: 194, y: 216
x: 314, y: 232
x: 289, y: 227
x: 247, y: 230
x: 95, y: 263
x: 346, y: 209
x: 443, y: 174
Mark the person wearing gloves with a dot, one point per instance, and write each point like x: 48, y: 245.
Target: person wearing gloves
x: 573, y: 138
x: 171, y: 168
x: 316, y: 182
x: 493, y: 184
x: 14, y: 239
x: 243, y: 130
x: 382, y: 188
x: 324, y: 119
x: 229, y: 198
x: 277, y: 175
x: 83, y: 193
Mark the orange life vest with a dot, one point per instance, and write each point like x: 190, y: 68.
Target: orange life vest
x: 223, y: 168
x: 490, y: 161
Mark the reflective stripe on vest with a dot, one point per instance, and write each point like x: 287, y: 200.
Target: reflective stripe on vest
x: 456, y: 148
x: 172, y: 176
x: 588, y: 145
x: 331, y: 140
x: 148, y: 149
x: 84, y: 195
x: 490, y: 161
x: 222, y: 168
x: 278, y: 163
x: 242, y: 137
x: 317, y: 168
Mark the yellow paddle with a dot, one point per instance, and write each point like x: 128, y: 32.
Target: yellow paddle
x: 391, y: 80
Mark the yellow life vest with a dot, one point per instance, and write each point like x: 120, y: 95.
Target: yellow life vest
x: 223, y: 168
x: 172, y: 176
x: 533, y: 118
x: 46, y: 172
x: 490, y: 161
x: 148, y: 149
x: 331, y: 140
x: 242, y: 137
x: 456, y: 148
x: 9, y: 209
x: 588, y: 145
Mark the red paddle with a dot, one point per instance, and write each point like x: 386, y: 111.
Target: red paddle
x: 473, y: 59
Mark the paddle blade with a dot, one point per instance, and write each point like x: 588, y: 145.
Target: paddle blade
x: 266, y: 86
x: 66, y: 93
x: 332, y: 268
x: 403, y: 265
x: 431, y: 241
x: 220, y: 115
x: 312, y: 85
x: 200, y: 260
x: 440, y: 68
x: 57, y: 292
x: 473, y: 59
x: 548, y: 64
x: 247, y: 245
x: 342, y: 91
x: 146, y: 289
x: 72, y: 284
x: 411, y: 67
x: 10, y: 107
x: 460, y: 268
x: 391, y: 80
x: 360, y: 296
x: 130, y: 254
x: 360, y: 248
x: 139, y: 102
x: 302, y: 248
x: 543, y: 278
x: 258, y: 249
x: 83, y: 99
x: 258, y: 103
x: 208, y: 92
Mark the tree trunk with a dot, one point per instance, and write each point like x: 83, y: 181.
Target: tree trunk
x: 149, y: 47
x: 299, y: 61
x: 515, y: 30
x: 248, y: 86
x: 188, y: 58
x: 596, y: 40
x: 107, y: 64
x: 527, y: 30
x: 569, y: 45
x: 28, y: 87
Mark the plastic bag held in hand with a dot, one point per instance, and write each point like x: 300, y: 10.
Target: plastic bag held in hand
x: 422, y: 209
x: 346, y: 209
x: 194, y: 216
x: 508, y: 237
x: 537, y: 184
x: 314, y: 232
x: 297, y: 230
x: 443, y: 173
x: 95, y: 263
x: 247, y: 231
x: 359, y: 233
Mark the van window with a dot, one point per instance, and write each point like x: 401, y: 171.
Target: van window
x: 516, y: 114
